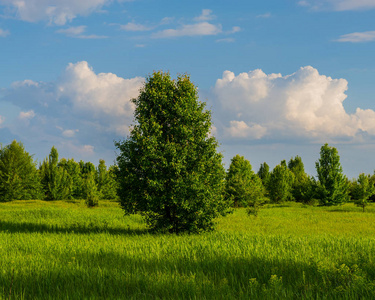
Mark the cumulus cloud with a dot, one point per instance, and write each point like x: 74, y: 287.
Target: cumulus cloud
x: 339, y: 5
x: 358, y: 37
x: 26, y: 115
x: 4, y: 33
x: 104, y: 96
x: 205, y: 16
x: 198, y: 29
x: 81, y: 112
x: 304, y: 104
x: 57, y: 12
x: 135, y: 27
x: 76, y: 32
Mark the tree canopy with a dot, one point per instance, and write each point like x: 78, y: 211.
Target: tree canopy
x: 169, y: 167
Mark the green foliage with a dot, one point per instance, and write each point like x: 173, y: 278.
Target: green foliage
x: 76, y: 182
x: 280, y: 183
x: 363, y: 190
x: 169, y: 168
x: 106, y: 181
x: 18, y: 174
x: 264, y: 173
x: 91, y: 193
x: 302, y: 184
x: 243, y: 186
x: 56, y: 181
x: 333, y: 185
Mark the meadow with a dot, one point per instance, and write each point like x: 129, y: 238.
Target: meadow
x: 64, y: 250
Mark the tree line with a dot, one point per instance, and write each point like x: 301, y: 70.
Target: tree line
x: 169, y: 170
x: 53, y: 179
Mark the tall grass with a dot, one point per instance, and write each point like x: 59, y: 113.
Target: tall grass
x: 63, y: 250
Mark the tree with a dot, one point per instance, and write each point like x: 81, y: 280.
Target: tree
x: 243, y: 186
x: 18, y: 174
x: 106, y: 181
x: 169, y: 167
x: 301, y: 181
x: 333, y: 185
x: 91, y: 193
x: 363, y: 190
x: 56, y: 181
x: 264, y: 173
x: 280, y: 183
x: 76, y: 184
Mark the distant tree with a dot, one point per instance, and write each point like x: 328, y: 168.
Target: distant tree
x: 280, y: 183
x: 363, y: 190
x: 91, y: 193
x: 243, y: 186
x: 333, y: 185
x: 18, y: 174
x: 75, y: 178
x: 56, y: 181
x: 169, y: 167
x: 301, y: 181
x: 264, y: 173
x: 106, y: 181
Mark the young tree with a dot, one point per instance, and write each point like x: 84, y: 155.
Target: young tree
x: 18, y: 174
x: 169, y: 167
x: 280, y: 183
x: 91, y: 193
x: 55, y: 179
x: 106, y: 181
x: 76, y: 185
x: 301, y: 181
x: 333, y: 185
x: 363, y: 190
x: 243, y: 186
x: 264, y: 173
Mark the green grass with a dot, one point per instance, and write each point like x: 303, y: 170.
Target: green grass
x: 63, y: 250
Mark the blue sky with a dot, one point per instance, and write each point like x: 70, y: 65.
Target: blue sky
x: 282, y: 77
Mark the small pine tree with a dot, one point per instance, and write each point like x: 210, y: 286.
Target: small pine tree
x: 280, y: 183
x: 243, y: 187
x: 363, y: 190
x: 18, y: 174
x: 91, y: 190
x: 333, y: 185
x: 56, y: 181
x: 264, y: 173
x: 301, y: 181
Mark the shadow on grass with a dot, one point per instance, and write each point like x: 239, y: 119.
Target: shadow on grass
x: 28, y: 227
x: 109, y: 275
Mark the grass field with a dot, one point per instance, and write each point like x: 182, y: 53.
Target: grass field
x: 63, y: 250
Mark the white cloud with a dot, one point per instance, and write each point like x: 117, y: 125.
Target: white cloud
x: 303, y: 104
x: 81, y: 113
x: 358, y: 37
x: 135, y: 27
x: 77, y: 31
x: 105, y: 96
x: 26, y: 115
x: 339, y: 5
x: 69, y: 133
x: 57, y: 12
x: 264, y: 16
x: 205, y: 16
x: 199, y: 29
x: 4, y: 33
x: 2, y: 119
x: 239, y: 129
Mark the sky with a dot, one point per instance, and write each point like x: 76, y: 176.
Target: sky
x: 281, y: 77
